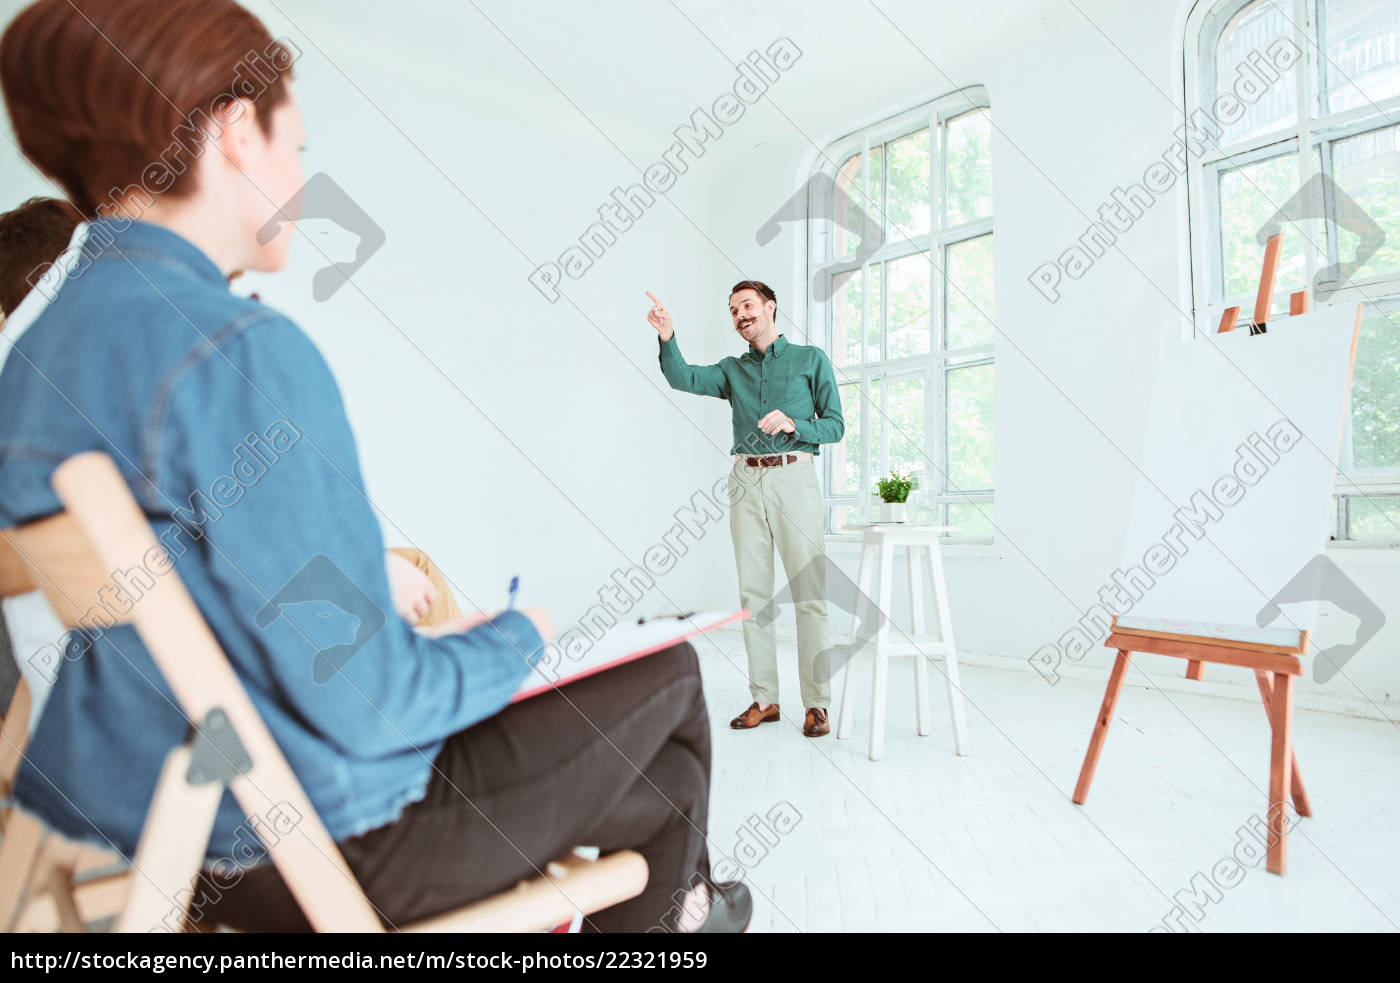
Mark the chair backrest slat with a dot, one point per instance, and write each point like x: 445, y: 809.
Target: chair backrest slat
x: 54, y: 556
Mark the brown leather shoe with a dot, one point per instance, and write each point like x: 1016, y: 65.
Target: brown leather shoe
x: 816, y: 723
x: 753, y: 716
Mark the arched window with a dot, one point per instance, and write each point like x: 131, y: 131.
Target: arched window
x: 1298, y: 104
x: 902, y: 282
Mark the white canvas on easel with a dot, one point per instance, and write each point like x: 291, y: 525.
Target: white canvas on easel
x: 1245, y: 432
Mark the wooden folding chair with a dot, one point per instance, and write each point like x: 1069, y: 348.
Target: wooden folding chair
x: 67, y: 556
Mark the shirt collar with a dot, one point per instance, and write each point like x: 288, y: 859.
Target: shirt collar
x: 776, y: 348
x: 153, y: 241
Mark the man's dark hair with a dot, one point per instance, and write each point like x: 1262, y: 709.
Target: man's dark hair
x: 764, y: 291
x: 31, y: 237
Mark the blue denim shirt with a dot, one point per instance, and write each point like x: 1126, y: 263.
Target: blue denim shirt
x: 229, y: 429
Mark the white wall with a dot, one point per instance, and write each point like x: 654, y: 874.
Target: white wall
x: 507, y: 435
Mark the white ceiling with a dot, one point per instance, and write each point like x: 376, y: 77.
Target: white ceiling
x: 648, y: 64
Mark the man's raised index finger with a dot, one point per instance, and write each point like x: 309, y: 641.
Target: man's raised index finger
x: 653, y: 298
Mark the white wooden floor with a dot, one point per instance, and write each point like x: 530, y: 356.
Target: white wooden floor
x: 927, y: 841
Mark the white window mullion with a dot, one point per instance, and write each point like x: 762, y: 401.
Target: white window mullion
x: 865, y: 418
x: 1316, y: 21
x: 884, y: 467
x: 1308, y: 90
x: 945, y: 474
x: 864, y: 202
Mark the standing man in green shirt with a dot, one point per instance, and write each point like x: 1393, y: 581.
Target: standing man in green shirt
x: 785, y: 405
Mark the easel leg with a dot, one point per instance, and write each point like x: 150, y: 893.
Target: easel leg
x: 1110, y: 700
x: 1280, y: 773
x: 1300, y: 795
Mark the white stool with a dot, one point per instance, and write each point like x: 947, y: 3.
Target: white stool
x: 922, y: 543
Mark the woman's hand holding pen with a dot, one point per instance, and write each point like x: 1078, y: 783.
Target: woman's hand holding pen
x: 412, y: 592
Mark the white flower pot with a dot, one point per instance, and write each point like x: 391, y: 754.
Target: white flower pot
x: 892, y: 511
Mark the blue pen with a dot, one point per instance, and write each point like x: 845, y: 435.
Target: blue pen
x: 514, y: 586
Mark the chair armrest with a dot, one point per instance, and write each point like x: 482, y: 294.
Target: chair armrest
x: 568, y: 885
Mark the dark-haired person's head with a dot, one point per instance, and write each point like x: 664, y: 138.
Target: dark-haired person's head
x: 32, y: 236
x: 176, y: 112
x: 754, y: 308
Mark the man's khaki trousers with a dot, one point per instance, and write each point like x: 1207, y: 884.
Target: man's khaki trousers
x: 782, y: 507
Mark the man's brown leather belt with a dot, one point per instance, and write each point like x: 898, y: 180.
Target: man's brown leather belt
x: 771, y: 461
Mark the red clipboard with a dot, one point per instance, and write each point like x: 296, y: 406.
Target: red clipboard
x: 616, y: 647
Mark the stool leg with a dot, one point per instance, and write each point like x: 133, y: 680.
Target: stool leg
x: 1110, y: 700
x: 882, y: 658
x: 863, y: 579
x: 934, y: 555
x: 1280, y: 772
x: 916, y: 607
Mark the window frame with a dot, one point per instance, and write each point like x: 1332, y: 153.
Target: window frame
x: 933, y: 367
x: 1312, y: 131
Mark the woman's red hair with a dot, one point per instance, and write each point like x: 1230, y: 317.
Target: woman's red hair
x: 108, y: 97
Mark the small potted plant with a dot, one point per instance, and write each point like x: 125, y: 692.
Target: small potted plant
x: 894, y: 492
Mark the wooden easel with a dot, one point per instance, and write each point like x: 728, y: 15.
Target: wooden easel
x: 1274, y: 664
x: 1297, y: 302
x: 1274, y: 667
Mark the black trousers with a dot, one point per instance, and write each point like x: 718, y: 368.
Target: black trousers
x: 620, y: 760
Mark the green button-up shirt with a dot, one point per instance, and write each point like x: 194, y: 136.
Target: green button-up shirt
x: 797, y: 379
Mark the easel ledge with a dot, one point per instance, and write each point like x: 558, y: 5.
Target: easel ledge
x: 1202, y: 648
